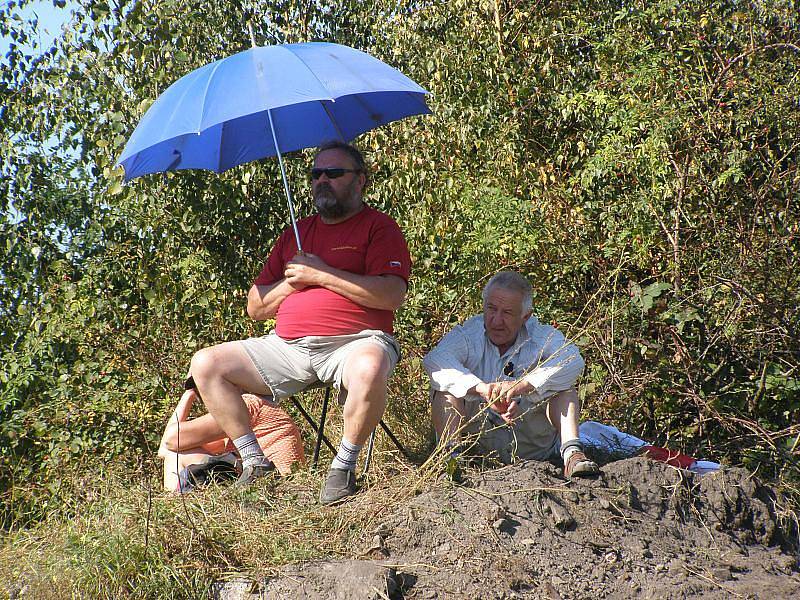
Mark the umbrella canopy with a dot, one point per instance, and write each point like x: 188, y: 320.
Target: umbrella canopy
x: 295, y: 96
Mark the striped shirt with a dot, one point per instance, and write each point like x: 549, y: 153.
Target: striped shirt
x: 466, y: 357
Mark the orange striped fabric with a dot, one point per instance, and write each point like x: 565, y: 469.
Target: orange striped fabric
x: 275, y: 430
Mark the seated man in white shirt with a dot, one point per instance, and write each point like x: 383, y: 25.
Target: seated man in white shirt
x: 510, y: 380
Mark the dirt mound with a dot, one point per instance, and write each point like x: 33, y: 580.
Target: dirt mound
x: 642, y: 529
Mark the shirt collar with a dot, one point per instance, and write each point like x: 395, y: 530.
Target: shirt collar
x: 522, y: 338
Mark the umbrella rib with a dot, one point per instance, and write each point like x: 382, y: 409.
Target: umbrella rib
x: 205, y: 94
x: 333, y: 121
x: 420, y: 98
x: 310, y: 70
x: 178, y: 106
x: 221, y: 137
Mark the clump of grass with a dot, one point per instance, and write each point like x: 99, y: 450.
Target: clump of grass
x: 128, y: 539
x: 99, y: 551
x: 116, y: 534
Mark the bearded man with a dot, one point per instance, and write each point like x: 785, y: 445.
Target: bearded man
x: 334, y: 306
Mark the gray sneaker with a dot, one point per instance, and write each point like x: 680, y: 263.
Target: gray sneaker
x: 339, y: 484
x: 252, y: 472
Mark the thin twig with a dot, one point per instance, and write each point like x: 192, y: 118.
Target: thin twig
x: 710, y: 580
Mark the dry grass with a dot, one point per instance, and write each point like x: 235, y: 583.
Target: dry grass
x: 130, y: 540
x: 124, y: 538
x: 117, y: 535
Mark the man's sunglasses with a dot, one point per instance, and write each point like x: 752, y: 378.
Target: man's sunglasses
x: 331, y: 173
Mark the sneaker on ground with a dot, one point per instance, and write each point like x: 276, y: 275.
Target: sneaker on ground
x: 580, y: 466
x: 216, y: 469
x: 339, y: 484
x: 252, y: 472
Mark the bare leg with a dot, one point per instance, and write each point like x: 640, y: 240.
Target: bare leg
x: 447, y: 414
x: 182, y: 434
x: 365, y: 375
x: 222, y: 373
x: 563, y: 411
x: 182, y: 437
x: 179, y: 415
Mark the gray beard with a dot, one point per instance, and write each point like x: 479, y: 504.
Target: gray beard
x: 329, y: 206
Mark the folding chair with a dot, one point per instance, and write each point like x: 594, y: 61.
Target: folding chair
x: 319, y: 429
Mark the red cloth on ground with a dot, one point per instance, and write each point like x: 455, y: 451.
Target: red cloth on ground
x: 671, y: 457
x: 368, y: 243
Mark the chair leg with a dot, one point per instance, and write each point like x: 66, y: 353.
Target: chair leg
x: 395, y: 440
x: 315, y: 427
x: 370, y: 445
x: 321, y: 430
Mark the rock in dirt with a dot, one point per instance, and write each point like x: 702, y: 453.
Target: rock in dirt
x: 337, y: 580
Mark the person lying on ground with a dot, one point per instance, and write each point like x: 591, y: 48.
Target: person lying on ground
x: 334, y: 307
x: 201, y: 443
x: 509, y: 380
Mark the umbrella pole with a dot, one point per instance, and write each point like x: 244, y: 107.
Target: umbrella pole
x: 285, y: 183
x: 280, y: 158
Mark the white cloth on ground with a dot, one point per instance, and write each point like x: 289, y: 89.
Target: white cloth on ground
x: 610, y: 439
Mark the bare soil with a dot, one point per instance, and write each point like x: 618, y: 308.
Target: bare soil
x: 640, y: 530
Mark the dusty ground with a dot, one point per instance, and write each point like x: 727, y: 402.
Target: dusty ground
x: 641, y: 530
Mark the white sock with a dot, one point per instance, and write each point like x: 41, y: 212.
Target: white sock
x: 249, y: 450
x: 569, y: 448
x: 347, y: 456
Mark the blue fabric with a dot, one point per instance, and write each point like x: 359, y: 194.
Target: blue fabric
x: 216, y: 116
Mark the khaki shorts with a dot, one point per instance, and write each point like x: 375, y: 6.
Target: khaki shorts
x: 290, y: 366
x: 530, y: 438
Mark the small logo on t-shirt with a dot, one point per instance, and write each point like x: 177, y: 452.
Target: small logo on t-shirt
x: 344, y: 248
x: 395, y: 263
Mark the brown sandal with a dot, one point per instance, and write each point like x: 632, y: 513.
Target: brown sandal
x: 579, y: 466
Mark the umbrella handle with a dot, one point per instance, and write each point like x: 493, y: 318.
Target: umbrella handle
x: 285, y: 183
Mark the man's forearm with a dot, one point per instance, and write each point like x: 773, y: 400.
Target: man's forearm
x: 506, y: 389
x: 448, y: 365
x: 263, y: 300
x: 385, y: 292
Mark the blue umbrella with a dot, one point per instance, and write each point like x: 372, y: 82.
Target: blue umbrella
x: 268, y: 100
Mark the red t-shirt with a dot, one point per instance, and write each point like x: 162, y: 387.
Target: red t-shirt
x: 368, y: 243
